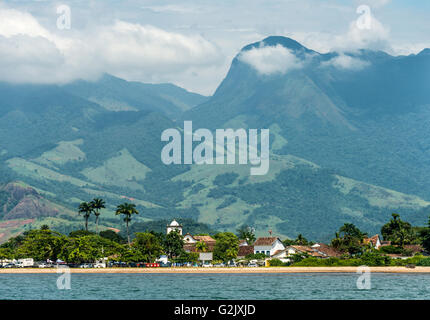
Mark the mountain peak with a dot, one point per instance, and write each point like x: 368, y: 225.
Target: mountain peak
x: 425, y: 51
x: 278, y: 40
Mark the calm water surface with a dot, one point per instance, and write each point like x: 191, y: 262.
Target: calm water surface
x: 215, y: 286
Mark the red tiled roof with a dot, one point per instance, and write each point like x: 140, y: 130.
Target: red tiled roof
x: 372, y: 240
x: 265, y: 241
x: 327, y: 250
x: 245, y: 250
x: 204, y: 238
x: 277, y: 252
x: 191, y: 247
x: 302, y: 248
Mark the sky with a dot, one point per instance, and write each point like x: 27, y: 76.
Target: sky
x: 191, y: 43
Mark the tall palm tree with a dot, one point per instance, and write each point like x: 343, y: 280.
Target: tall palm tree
x: 96, y: 205
x: 85, y: 208
x: 127, y: 209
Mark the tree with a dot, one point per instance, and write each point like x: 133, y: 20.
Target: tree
x: 202, y: 246
x: 301, y: 240
x: 41, y: 245
x: 80, y: 233
x: 425, y: 235
x: 397, y: 231
x: 187, y: 257
x: 127, y: 209
x: 226, y: 246
x: 130, y: 254
x: 148, y: 245
x: 112, y: 235
x: 86, y: 209
x: 173, y: 244
x: 246, y: 233
x: 96, y: 205
x: 88, y: 248
x: 349, y: 239
x: 6, y: 253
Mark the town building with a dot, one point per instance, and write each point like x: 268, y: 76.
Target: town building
x: 374, y: 241
x: 268, y: 245
x: 174, y: 226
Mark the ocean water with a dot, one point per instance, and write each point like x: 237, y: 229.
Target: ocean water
x: 214, y: 286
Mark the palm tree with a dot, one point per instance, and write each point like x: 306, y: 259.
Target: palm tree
x: 86, y: 209
x: 301, y: 240
x: 127, y: 209
x: 96, y: 205
x: 202, y: 246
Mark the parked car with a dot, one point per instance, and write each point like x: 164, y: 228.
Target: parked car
x: 252, y: 265
x: 85, y: 265
x: 208, y: 265
x: 219, y: 265
x: 73, y: 265
x: 10, y: 265
x: 100, y: 265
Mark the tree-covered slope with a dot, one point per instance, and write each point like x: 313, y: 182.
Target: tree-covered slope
x: 348, y: 144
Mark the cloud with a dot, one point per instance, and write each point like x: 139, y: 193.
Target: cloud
x: 271, y: 59
x: 126, y: 47
x: 376, y: 37
x: 374, y: 3
x: 32, y: 54
x: 346, y: 62
x: 173, y: 8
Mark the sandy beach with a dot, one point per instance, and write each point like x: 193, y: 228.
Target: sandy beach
x: 246, y: 270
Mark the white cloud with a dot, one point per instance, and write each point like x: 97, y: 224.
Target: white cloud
x: 30, y: 53
x: 377, y: 37
x: 346, y: 62
x: 373, y: 3
x: 271, y: 59
x: 173, y: 8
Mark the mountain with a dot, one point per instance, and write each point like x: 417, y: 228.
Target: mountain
x: 349, y: 143
x: 369, y: 110
x: 116, y: 94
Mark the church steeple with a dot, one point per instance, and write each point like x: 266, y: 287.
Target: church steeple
x: 174, y: 225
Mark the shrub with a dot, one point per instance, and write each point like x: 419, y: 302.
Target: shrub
x: 374, y: 259
x: 424, y: 262
x: 256, y: 256
x: 276, y: 263
x: 391, y: 249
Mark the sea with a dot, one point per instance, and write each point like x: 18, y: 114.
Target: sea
x: 326, y: 286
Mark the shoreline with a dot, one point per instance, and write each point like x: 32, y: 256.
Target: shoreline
x: 213, y: 270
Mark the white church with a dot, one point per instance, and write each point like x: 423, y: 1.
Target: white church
x: 174, y: 226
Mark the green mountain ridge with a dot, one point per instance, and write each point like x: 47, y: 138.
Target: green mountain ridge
x: 347, y: 145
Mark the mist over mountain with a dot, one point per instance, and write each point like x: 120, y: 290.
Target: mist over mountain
x: 350, y: 142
